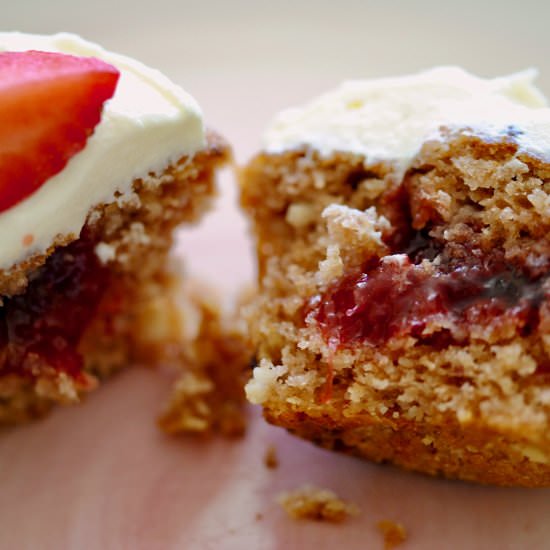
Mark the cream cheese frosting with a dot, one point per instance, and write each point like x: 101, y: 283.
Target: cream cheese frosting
x: 389, y: 119
x: 149, y: 124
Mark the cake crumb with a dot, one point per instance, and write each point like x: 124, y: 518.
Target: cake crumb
x: 208, y: 396
x: 316, y: 504
x: 394, y: 533
x: 271, y: 460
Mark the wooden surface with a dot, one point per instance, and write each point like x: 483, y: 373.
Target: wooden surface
x: 100, y: 475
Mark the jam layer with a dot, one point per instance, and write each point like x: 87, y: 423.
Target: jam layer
x: 432, y: 290
x: 394, y: 297
x: 40, y: 330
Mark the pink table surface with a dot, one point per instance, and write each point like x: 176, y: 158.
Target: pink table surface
x: 102, y: 476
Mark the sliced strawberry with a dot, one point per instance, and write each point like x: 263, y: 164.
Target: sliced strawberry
x: 50, y: 104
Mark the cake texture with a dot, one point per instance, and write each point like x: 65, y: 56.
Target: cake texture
x: 312, y: 503
x: 86, y: 281
x: 403, y: 252
x: 208, y: 396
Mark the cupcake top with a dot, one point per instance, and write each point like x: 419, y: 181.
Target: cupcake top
x: 389, y: 119
x: 147, y: 125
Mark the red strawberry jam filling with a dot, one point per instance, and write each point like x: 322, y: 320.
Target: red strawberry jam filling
x: 40, y: 330
x: 437, y: 302
x: 393, y: 297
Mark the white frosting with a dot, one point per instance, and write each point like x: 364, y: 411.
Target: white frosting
x: 389, y: 119
x: 148, y: 124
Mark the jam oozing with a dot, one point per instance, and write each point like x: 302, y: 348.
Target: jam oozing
x: 40, y: 329
x: 451, y: 286
x: 395, y: 297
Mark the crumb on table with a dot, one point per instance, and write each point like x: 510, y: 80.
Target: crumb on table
x: 316, y: 504
x: 394, y: 533
x: 208, y: 396
x: 271, y: 460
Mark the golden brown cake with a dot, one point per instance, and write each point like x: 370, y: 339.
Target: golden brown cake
x: 85, y: 279
x: 403, y: 244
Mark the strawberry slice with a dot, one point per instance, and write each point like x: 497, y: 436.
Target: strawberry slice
x: 50, y: 104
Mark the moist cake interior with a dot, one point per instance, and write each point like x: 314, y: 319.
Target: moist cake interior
x: 406, y: 319
x: 106, y: 299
